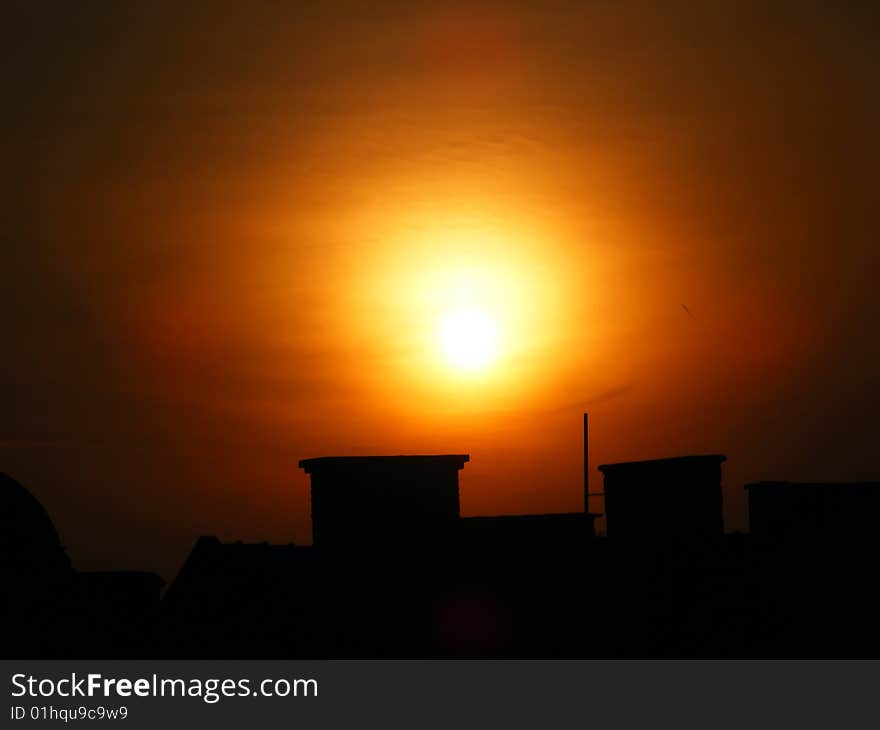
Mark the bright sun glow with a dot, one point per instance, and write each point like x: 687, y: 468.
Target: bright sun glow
x: 466, y: 314
x: 468, y: 339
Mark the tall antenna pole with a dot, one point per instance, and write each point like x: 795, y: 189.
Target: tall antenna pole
x: 586, y: 464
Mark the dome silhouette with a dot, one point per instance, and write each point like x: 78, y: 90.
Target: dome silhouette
x: 28, y: 538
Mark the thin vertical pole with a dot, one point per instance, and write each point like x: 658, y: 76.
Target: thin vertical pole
x: 586, y: 464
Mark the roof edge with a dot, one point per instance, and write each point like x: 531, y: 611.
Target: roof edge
x: 309, y: 464
x: 691, y: 458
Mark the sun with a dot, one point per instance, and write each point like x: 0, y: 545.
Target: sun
x: 468, y: 339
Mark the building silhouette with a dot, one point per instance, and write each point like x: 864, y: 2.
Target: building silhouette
x: 814, y: 510
x: 395, y: 571
x: 392, y: 500
x: 53, y: 609
x: 506, y: 533
x: 678, y: 497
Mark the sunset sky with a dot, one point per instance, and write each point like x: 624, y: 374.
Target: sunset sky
x: 242, y: 234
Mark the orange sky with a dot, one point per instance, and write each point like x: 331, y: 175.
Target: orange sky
x: 231, y: 231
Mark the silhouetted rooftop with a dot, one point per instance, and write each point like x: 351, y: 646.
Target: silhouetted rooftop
x: 359, y: 462
x: 671, y: 461
x: 545, y: 518
x: 509, y: 535
x: 24, y: 523
x: 124, y: 577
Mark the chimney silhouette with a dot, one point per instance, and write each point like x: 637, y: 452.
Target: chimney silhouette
x: 392, y: 500
x: 673, y: 497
